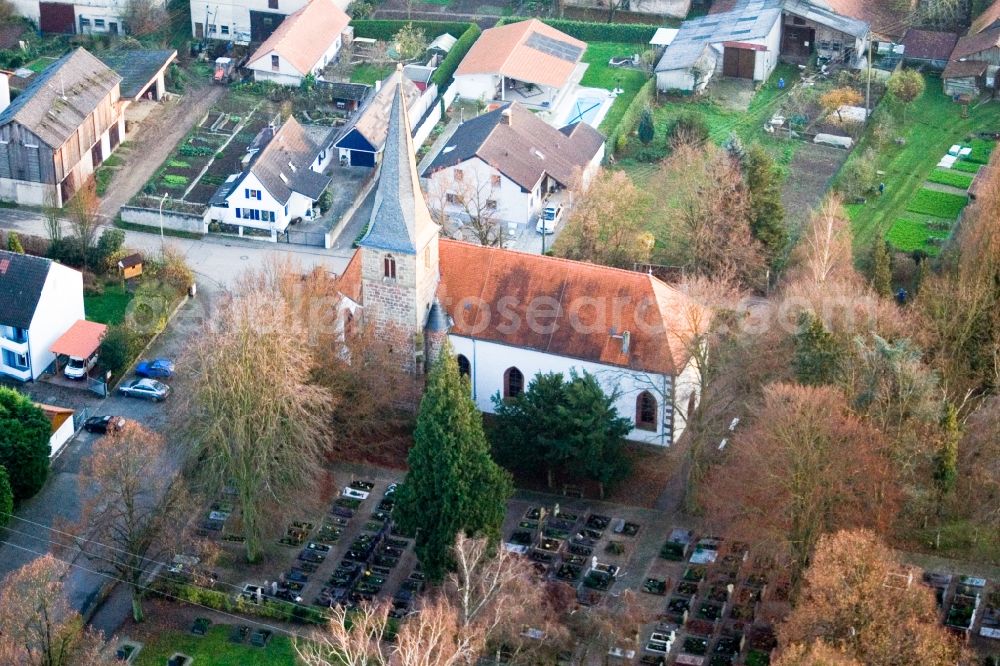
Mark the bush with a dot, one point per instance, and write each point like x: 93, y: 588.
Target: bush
x: 634, y: 33
x: 446, y: 70
x: 14, y: 243
x: 325, y: 201
x: 24, y: 442
x: 223, y: 601
x: 117, y: 348
x: 109, y: 245
x: 66, y: 251
x: 857, y: 177
x: 618, y: 135
x: 689, y: 126
x: 6, y: 497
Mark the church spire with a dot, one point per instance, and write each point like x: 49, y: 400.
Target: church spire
x: 400, y: 220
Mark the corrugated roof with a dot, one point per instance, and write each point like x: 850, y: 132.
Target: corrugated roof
x: 81, y: 340
x: 855, y: 26
x: 747, y: 21
x: 305, y: 36
x: 61, y: 97
x: 523, y: 149
x: 529, y: 51
x: 400, y: 221
x: 137, y: 67
x: 22, y: 278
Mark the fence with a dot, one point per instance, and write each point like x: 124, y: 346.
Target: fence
x: 314, y: 238
x: 170, y: 219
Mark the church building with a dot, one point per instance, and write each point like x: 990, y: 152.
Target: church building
x: 509, y: 315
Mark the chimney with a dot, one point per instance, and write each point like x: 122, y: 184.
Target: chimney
x: 4, y: 91
x: 505, y: 116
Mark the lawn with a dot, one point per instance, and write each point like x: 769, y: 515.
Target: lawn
x: 938, y: 204
x: 39, y: 64
x: 949, y: 177
x: 109, y: 307
x: 600, y: 74
x: 933, y: 124
x: 367, y: 73
x: 214, y: 648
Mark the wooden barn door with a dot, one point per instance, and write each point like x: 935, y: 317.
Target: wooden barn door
x: 738, y: 63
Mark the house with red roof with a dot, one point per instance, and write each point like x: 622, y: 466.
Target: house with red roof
x: 509, y: 315
x: 304, y: 43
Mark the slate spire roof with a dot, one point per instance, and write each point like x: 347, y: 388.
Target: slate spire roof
x: 400, y: 220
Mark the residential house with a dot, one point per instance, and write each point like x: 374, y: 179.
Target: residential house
x: 79, y: 16
x: 304, y: 44
x: 974, y: 64
x: 509, y: 160
x: 241, y: 21
x: 529, y: 62
x: 39, y: 301
x: 143, y: 71
x: 928, y: 48
x: 282, y: 182
x: 59, y: 130
x: 634, y: 333
x: 361, y: 143
x: 748, y: 37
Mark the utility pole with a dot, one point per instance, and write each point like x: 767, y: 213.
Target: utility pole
x: 163, y: 199
x: 868, y: 89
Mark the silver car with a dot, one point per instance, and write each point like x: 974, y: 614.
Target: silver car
x: 150, y: 389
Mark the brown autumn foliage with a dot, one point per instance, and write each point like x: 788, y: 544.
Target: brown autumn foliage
x: 816, y: 653
x: 608, y: 224
x: 977, y: 492
x: 805, y: 467
x: 702, y: 218
x: 859, y: 599
x: 38, y: 627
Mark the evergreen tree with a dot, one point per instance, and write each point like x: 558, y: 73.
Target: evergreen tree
x: 646, y: 129
x: 946, y: 458
x: 14, y: 243
x: 767, y: 214
x: 882, y: 270
x: 571, y: 425
x: 734, y: 146
x: 6, y: 497
x: 24, y: 442
x: 453, y: 484
x: 818, y: 355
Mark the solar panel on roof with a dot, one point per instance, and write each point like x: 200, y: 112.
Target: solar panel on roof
x: 561, y: 50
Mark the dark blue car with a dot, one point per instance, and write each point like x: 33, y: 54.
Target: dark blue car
x: 157, y: 368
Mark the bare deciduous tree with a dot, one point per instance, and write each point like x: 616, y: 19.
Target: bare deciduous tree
x: 84, y: 219
x: 257, y: 421
x: 38, y: 627
x: 132, y: 507
x: 474, y: 196
x: 350, y: 638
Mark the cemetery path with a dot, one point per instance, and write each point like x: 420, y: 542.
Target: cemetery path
x: 154, y: 141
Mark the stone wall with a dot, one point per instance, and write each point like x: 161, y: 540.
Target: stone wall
x: 176, y: 221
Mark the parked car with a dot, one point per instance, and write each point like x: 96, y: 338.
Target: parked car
x: 103, y: 424
x: 150, y: 389
x: 549, y: 219
x: 156, y: 368
x: 77, y: 368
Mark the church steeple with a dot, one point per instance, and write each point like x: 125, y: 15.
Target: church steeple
x: 400, y: 220
x: 399, y: 252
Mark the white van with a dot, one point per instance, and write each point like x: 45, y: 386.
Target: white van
x: 77, y: 368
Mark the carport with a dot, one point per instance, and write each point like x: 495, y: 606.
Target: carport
x: 142, y: 71
x: 81, y: 340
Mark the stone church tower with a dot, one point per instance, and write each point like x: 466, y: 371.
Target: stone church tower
x: 399, y: 253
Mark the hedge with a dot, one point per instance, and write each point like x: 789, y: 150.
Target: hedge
x: 634, y: 33
x: 224, y: 601
x: 384, y: 30
x: 618, y: 135
x: 443, y: 74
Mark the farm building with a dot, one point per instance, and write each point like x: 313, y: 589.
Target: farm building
x: 361, y: 144
x: 142, y: 71
x: 974, y: 64
x: 59, y: 130
x: 747, y: 41
x: 928, y: 48
x: 86, y: 17
x: 528, y: 62
x: 304, y: 43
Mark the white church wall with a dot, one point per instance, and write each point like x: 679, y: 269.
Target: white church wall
x: 490, y: 360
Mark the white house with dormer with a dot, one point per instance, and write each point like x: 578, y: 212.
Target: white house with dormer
x: 39, y: 301
x: 509, y: 315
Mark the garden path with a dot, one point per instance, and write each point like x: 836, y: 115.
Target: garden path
x: 155, y: 140
x: 949, y: 189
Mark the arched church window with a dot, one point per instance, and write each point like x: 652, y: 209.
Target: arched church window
x: 513, y: 383
x: 645, y: 411
x: 390, y: 267
x: 464, y: 367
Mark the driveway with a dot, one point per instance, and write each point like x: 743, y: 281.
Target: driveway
x: 28, y: 535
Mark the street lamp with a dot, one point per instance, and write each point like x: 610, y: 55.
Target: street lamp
x: 163, y: 199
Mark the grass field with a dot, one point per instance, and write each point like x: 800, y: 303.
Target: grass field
x: 949, y: 177
x: 369, y: 74
x: 601, y: 75
x: 214, y: 648
x: 933, y: 124
x: 109, y: 307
